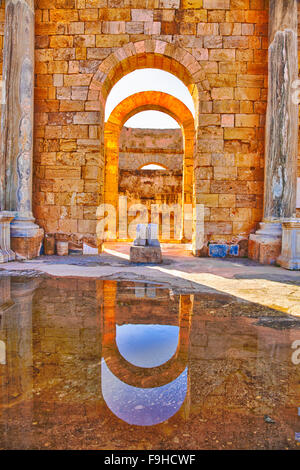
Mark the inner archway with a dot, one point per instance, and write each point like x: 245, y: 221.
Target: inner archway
x: 150, y: 100
x: 150, y: 54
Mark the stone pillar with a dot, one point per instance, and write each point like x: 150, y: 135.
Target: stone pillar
x: 6, y: 254
x: 290, y: 254
x: 17, y: 126
x: 281, y: 132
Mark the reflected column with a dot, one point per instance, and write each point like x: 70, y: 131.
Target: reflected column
x: 17, y: 387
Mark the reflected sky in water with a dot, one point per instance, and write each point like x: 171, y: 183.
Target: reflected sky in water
x: 147, y: 345
x: 142, y: 406
x: 233, y: 367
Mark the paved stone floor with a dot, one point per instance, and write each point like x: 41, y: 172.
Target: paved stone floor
x: 270, y: 286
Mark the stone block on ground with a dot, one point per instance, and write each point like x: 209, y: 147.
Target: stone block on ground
x: 141, y: 235
x: 265, y: 251
x: 49, y: 244
x: 6, y: 254
x: 152, y: 235
x: 290, y: 253
x: 145, y: 254
x: 62, y: 248
x: 28, y: 247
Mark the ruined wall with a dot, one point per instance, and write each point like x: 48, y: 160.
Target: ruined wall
x: 228, y: 39
x: 161, y: 186
x: 140, y: 147
x: 151, y: 188
x: 148, y: 187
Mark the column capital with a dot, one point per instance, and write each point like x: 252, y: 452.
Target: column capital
x: 29, y: 3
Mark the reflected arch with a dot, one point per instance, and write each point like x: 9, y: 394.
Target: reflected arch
x: 135, y: 376
x: 134, y: 104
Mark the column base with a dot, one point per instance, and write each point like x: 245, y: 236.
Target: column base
x: 26, y: 238
x: 290, y: 254
x: 265, y: 245
x: 6, y: 254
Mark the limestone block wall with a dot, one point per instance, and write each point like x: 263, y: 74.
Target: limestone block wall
x: 151, y: 185
x: 149, y: 188
x: 83, y: 47
x: 140, y: 147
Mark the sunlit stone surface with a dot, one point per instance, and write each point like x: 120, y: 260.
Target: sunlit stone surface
x: 290, y: 254
x: 281, y: 142
x: 70, y: 381
x: 6, y: 254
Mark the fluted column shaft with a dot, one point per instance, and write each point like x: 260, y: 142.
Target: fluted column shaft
x: 282, y: 113
x: 18, y: 104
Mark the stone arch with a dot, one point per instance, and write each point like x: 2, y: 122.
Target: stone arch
x: 151, y: 53
x: 139, y: 376
x: 130, y: 106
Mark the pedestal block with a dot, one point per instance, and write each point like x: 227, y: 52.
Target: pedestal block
x: 265, y: 245
x: 26, y: 239
x: 145, y: 254
x: 6, y: 254
x: 290, y: 254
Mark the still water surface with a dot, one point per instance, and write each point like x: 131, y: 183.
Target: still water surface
x: 88, y: 364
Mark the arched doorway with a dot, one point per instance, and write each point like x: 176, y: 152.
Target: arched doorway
x: 150, y: 54
x: 127, y: 108
x: 139, y: 376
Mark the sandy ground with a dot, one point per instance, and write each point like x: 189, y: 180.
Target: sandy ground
x: 270, y: 286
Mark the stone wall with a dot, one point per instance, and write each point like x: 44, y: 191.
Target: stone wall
x: 150, y: 188
x: 140, y: 147
x: 217, y: 47
x: 225, y: 47
x: 154, y: 185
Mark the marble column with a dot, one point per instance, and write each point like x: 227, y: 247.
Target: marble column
x: 6, y: 254
x: 17, y: 125
x: 16, y: 333
x: 280, y: 185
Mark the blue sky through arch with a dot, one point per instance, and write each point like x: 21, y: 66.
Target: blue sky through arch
x: 149, y: 80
